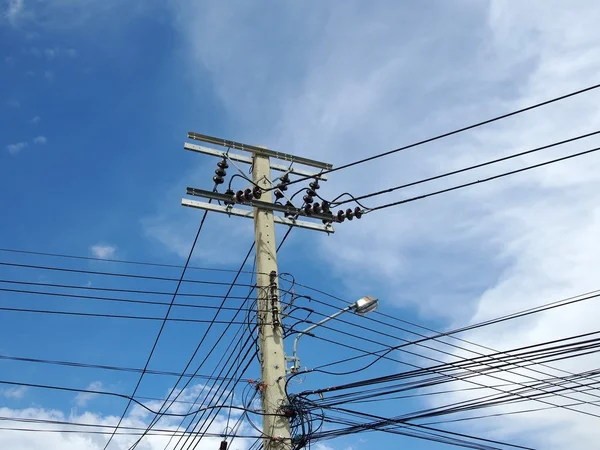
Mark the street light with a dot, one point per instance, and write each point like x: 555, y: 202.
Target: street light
x: 361, y: 307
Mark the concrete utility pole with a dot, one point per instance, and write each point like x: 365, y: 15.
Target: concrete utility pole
x: 272, y: 357
x: 276, y: 426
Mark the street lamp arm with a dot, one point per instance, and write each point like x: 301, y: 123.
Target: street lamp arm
x: 312, y: 327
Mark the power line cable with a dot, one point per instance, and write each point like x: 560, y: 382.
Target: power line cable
x: 204, y: 336
x: 117, y: 316
x: 112, y: 260
x: 118, y: 300
x: 452, y: 133
x: 466, y: 169
x: 100, y: 366
x: 108, y: 393
x: 162, y: 326
x: 106, y: 289
x: 483, y: 180
x: 116, y: 274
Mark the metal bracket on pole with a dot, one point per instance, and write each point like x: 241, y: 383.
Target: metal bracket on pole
x: 250, y: 215
x: 258, y: 204
x: 248, y: 160
x: 257, y: 150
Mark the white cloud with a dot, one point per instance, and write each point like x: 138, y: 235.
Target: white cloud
x: 14, y: 393
x: 50, y: 53
x: 49, y: 75
x: 14, y: 11
x: 104, y: 251
x: 83, y: 398
x: 10, y: 61
x: 40, y: 140
x: 72, y: 53
x: 15, y: 149
x: 21, y: 418
x: 36, y: 120
x: 361, y: 84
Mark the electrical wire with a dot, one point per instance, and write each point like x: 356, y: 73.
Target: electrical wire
x: 115, y: 274
x: 106, y: 289
x: 454, y: 132
x: 118, y: 300
x: 466, y: 169
x: 162, y: 326
x: 483, y: 180
x: 112, y: 260
x: 116, y: 316
x: 100, y: 366
x: 204, y: 336
x: 130, y: 398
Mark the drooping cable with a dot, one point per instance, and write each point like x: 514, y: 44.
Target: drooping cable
x: 454, y: 132
x: 162, y: 326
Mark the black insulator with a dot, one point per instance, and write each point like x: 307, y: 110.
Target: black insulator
x: 311, y: 192
x: 349, y: 214
x: 325, y: 206
x: 285, y: 179
x: 281, y: 187
x: 248, y: 194
x: 230, y: 193
x: 220, y: 172
x: 223, y: 164
x: 278, y: 194
x: 256, y: 192
x: 308, y: 209
x: 340, y: 216
x: 290, y: 210
x: 223, y: 445
x: 326, y: 221
x: 314, y: 185
x: 239, y: 196
x: 307, y: 199
x: 316, y: 207
x: 358, y: 212
x: 218, y: 179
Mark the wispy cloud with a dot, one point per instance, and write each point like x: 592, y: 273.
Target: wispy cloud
x: 14, y: 11
x: 36, y: 120
x: 103, y: 251
x: 40, y: 140
x: 14, y: 393
x: 15, y: 149
x: 83, y: 398
x: 50, y: 54
x: 466, y: 256
x: 10, y: 61
x: 49, y: 75
x: 72, y: 53
x: 46, y: 420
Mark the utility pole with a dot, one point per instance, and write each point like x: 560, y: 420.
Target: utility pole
x: 259, y: 196
x: 272, y: 357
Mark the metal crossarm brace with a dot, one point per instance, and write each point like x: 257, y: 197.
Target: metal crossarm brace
x: 249, y: 214
x: 259, y: 150
x: 257, y: 204
x: 248, y: 160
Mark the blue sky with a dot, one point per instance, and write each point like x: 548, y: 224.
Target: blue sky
x: 95, y: 103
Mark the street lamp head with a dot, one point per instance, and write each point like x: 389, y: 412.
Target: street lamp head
x: 365, y: 305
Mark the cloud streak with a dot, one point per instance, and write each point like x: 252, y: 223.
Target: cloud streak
x: 15, y: 149
x: 103, y: 251
x: 359, y: 85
